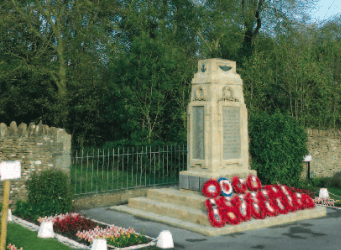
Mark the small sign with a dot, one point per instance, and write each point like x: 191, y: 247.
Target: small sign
x: 10, y: 170
x: 307, y: 158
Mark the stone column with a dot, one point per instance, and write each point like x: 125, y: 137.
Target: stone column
x: 217, y: 131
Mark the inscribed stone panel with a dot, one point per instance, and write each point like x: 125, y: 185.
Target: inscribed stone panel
x: 198, y: 133
x: 231, y: 133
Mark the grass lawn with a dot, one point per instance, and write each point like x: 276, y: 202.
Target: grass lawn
x: 22, y: 237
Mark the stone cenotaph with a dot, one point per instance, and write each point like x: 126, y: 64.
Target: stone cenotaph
x: 217, y: 147
x: 217, y: 130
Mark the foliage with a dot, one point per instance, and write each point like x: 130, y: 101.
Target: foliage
x: 143, y: 83
x: 277, y: 147
x: 48, y: 193
x: 73, y: 224
x: 24, y: 210
x: 127, y: 240
x: 121, y: 70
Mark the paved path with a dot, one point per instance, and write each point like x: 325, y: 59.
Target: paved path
x: 320, y: 234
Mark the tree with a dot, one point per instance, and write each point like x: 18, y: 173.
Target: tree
x: 144, y: 82
x: 45, y: 38
x: 253, y: 16
x: 174, y: 20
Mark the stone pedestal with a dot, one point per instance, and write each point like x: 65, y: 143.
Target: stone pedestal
x: 217, y: 131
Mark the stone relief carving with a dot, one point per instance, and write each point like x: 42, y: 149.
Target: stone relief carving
x: 199, y: 94
x: 225, y: 68
x: 228, y: 95
x: 203, y: 69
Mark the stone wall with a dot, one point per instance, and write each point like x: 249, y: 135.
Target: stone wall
x: 38, y: 148
x: 325, y: 149
x: 119, y: 197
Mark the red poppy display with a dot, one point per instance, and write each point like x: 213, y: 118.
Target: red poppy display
x: 262, y: 195
x: 297, y: 201
x: 239, y: 185
x: 270, y: 209
x: 266, y: 202
x: 243, y: 208
x: 308, y: 201
x: 214, y: 214
x: 211, y: 188
x: 253, y: 183
x: 270, y: 201
x: 288, y: 203
x: 257, y: 211
x: 280, y: 207
x: 226, y: 187
x: 274, y: 190
x: 286, y: 190
x: 228, y: 210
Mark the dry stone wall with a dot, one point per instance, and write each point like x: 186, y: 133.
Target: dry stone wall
x: 38, y: 147
x: 325, y: 149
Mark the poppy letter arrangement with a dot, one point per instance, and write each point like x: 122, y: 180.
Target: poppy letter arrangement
x: 271, y: 200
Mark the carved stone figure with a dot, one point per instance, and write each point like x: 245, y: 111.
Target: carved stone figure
x: 228, y: 95
x: 199, y: 94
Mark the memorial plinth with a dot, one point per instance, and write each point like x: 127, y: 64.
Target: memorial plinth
x: 217, y: 131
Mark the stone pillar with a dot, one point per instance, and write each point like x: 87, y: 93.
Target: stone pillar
x: 217, y: 131
x: 63, y: 157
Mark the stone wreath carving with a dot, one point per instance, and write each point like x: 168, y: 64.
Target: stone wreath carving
x: 228, y: 95
x: 199, y: 94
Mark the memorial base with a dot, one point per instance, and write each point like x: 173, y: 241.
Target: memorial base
x: 194, y: 181
x: 186, y: 209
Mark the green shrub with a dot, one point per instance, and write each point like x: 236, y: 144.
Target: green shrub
x: 24, y: 210
x: 320, y: 182
x: 335, y: 181
x: 277, y: 147
x: 49, y: 193
x: 305, y: 184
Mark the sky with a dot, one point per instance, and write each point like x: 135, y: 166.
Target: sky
x: 325, y: 9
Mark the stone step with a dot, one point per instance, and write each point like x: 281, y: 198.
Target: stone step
x: 181, y: 197
x: 253, y: 224
x: 183, y: 213
x: 173, y: 207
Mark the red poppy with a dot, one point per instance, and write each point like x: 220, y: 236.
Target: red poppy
x: 253, y: 183
x: 275, y: 191
x: 227, y: 210
x: 297, y: 201
x: 307, y: 201
x: 242, y: 207
x: 211, y: 188
x: 214, y: 215
x: 239, y: 185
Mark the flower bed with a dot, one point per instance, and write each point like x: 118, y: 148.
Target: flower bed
x: 83, y: 231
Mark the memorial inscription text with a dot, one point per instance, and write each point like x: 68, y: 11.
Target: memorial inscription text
x: 231, y: 133
x: 198, y: 133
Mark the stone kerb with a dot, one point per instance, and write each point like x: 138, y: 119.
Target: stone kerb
x: 38, y: 147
